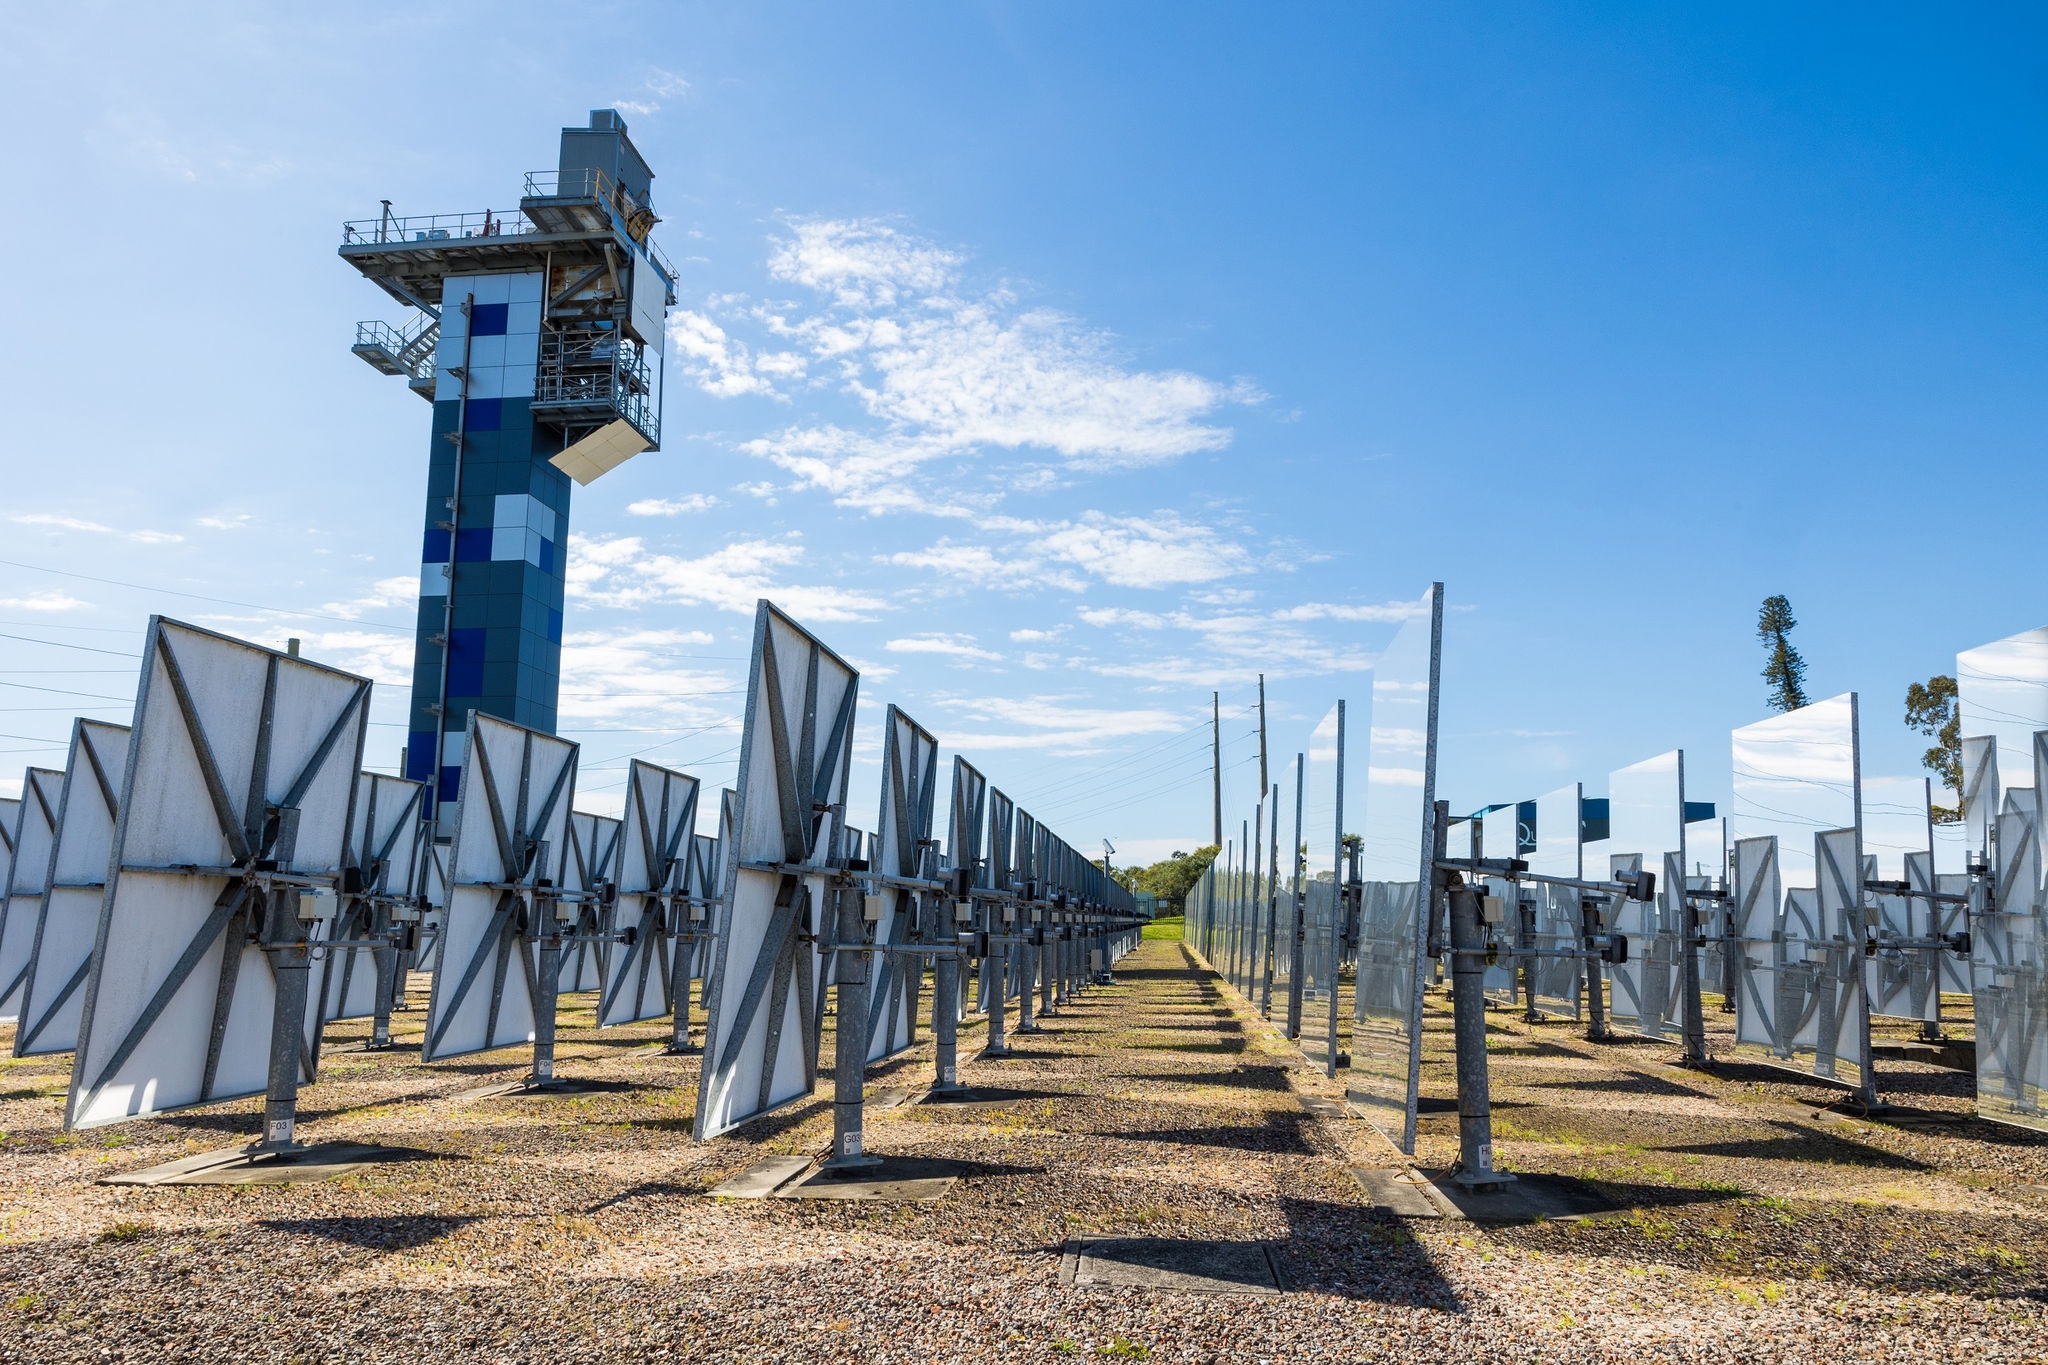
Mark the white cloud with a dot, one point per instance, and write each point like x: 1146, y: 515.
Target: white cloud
x: 385, y: 659
x: 1122, y: 616
x: 144, y: 138
x: 44, y: 601
x: 64, y: 523
x: 619, y: 571
x: 663, y: 85
x: 385, y: 592
x: 227, y: 521
x: 1028, y: 635
x: 955, y: 646
x: 721, y: 366
x: 941, y: 368
x: 633, y: 676
x: 1230, y: 644
x: 670, y: 507
x: 1051, y: 724
x: 862, y: 264
x: 1141, y: 552
x: 980, y: 566
x: 1131, y: 552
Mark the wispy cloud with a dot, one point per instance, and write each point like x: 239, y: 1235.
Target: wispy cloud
x: 44, y: 601
x: 721, y: 366
x: 144, y: 139
x: 1157, y: 551
x: 227, y: 521
x: 644, y: 677
x: 955, y: 646
x: 619, y: 571
x: 385, y: 592
x: 1052, y: 723
x: 939, y: 366
x: 671, y: 507
x: 1228, y: 644
x: 662, y: 85
x: 64, y: 523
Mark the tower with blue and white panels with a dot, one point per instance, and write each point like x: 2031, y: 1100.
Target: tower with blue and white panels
x: 536, y: 334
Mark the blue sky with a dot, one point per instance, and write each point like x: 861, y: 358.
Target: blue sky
x: 1061, y: 364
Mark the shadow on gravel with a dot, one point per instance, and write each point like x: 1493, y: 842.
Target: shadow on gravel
x: 1954, y: 1084
x: 652, y: 1189
x: 225, y: 1124
x: 1756, y: 1073
x: 396, y: 1232
x: 1281, y: 1133
x: 1357, y: 1253
x: 1269, y: 1078
x: 1536, y: 1047
x: 989, y: 1096
x: 1220, y: 1045
x: 754, y: 1131
x: 1798, y: 1144
x: 1635, y: 1083
x: 1949, y: 1124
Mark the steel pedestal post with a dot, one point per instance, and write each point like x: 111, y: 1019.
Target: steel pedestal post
x: 1596, y: 986
x: 1468, y: 1004
x: 946, y: 1021
x: 548, y: 986
x: 1027, y: 985
x: 679, y: 1044
x: 1045, y: 966
x: 291, y: 969
x: 850, y: 1039
x: 386, y: 962
x: 997, y: 964
x: 1693, y: 1017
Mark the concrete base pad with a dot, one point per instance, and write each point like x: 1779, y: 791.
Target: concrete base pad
x: 1401, y: 1193
x: 763, y: 1178
x: 239, y: 1166
x: 980, y: 1097
x: 1528, y: 1198
x: 896, y: 1180
x: 891, y: 1097
x: 1171, y: 1264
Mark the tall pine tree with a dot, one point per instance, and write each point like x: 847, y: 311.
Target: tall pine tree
x: 1931, y: 709
x: 1784, y: 670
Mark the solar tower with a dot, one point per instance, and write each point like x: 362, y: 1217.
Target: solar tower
x: 536, y: 335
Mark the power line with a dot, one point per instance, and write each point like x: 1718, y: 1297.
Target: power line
x: 201, y: 597
x: 60, y: 644
x: 66, y: 692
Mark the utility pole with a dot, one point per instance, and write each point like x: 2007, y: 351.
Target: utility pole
x: 1216, y: 761
x: 1262, y: 732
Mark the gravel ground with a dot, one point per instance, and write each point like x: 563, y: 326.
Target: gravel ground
x: 577, y: 1228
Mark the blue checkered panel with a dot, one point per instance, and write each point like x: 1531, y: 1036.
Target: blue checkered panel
x: 502, y: 568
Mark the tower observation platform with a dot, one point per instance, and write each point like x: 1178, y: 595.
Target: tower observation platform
x: 536, y: 333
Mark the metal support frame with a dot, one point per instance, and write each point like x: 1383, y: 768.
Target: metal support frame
x: 260, y: 902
